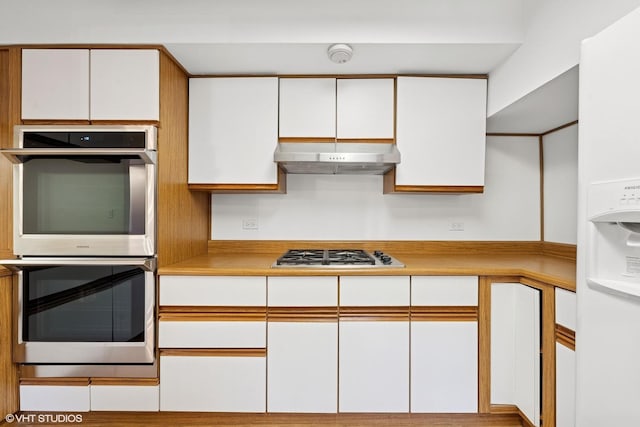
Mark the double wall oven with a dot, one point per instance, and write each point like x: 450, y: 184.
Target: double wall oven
x: 84, y: 238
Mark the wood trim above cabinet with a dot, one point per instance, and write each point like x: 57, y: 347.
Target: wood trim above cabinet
x: 297, y: 139
x: 66, y: 381
x: 302, y: 314
x: 213, y: 317
x: 444, y: 313
x: 279, y: 188
x: 389, y: 187
x: 566, y: 337
x: 125, y: 381
x: 214, y: 352
x: 374, y: 313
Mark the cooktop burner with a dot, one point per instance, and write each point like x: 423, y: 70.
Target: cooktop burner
x: 336, y: 258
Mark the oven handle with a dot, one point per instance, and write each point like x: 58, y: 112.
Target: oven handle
x: 147, y: 264
x: 16, y: 155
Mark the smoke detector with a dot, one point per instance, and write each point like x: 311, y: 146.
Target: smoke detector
x: 340, y: 53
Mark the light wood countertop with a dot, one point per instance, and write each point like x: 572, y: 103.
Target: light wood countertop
x: 545, y: 268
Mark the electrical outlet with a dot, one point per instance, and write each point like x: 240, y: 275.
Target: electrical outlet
x: 456, y: 226
x: 250, y: 224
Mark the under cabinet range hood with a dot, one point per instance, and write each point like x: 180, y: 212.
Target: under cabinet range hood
x: 347, y: 158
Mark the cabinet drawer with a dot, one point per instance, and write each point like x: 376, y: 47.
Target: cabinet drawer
x: 444, y: 290
x: 125, y: 398
x: 213, y: 290
x: 566, y: 308
x: 212, y: 334
x: 302, y: 291
x: 374, y: 291
x: 58, y: 398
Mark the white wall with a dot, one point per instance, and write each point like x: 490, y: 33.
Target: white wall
x: 342, y: 207
x: 560, y: 150
x: 551, y: 45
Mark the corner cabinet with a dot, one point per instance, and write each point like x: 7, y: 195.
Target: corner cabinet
x: 91, y: 84
x: 441, y: 133
x: 233, y: 132
x: 515, y: 348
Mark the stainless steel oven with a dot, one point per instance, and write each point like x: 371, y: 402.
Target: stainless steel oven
x: 84, y: 310
x: 84, y: 190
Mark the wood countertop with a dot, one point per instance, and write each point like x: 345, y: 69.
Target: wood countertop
x: 553, y: 270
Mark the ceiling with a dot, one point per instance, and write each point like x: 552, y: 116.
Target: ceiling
x: 368, y: 58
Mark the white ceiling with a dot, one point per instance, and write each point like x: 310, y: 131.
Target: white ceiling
x: 311, y: 58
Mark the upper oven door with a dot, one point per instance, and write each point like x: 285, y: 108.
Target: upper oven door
x: 74, y: 200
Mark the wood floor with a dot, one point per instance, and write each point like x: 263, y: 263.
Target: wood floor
x: 164, y: 419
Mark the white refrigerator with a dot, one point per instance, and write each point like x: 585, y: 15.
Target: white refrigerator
x: 608, y: 264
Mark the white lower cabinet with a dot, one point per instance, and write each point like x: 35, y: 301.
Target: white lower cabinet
x: 444, y: 366
x: 55, y: 398
x: 213, y: 383
x: 125, y: 398
x: 374, y: 366
x: 565, y: 386
x: 302, y: 367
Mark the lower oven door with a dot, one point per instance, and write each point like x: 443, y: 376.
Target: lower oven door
x: 84, y: 311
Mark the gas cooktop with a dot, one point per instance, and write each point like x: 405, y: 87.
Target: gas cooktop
x: 335, y: 258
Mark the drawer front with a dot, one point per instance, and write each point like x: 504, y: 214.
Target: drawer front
x: 54, y: 398
x: 302, y: 291
x: 212, y: 334
x: 566, y: 308
x: 444, y: 290
x: 374, y: 291
x: 125, y: 398
x: 213, y: 290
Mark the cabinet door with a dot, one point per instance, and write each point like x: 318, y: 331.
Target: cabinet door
x: 125, y: 84
x: 565, y: 386
x: 515, y: 348
x: 233, y: 130
x: 374, y: 366
x: 55, y: 84
x: 365, y: 108
x: 307, y: 108
x: 441, y: 131
x: 212, y: 383
x: 302, y: 367
x: 444, y: 366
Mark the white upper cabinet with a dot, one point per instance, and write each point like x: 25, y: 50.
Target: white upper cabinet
x: 365, y: 108
x: 441, y: 126
x: 55, y: 84
x: 125, y: 84
x: 233, y: 130
x: 308, y: 107
x: 332, y: 108
x: 96, y: 84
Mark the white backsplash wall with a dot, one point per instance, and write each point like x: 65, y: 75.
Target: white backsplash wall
x: 351, y: 207
x: 561, y: 185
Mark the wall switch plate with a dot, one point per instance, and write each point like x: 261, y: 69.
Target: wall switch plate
x: 250, y: 224
x: 456, y: 226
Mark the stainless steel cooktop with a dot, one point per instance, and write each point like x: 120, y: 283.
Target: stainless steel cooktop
x: 335, y: 258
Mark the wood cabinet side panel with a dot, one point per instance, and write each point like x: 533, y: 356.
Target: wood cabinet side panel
x: 183, y: 216
x: 8, y: 370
